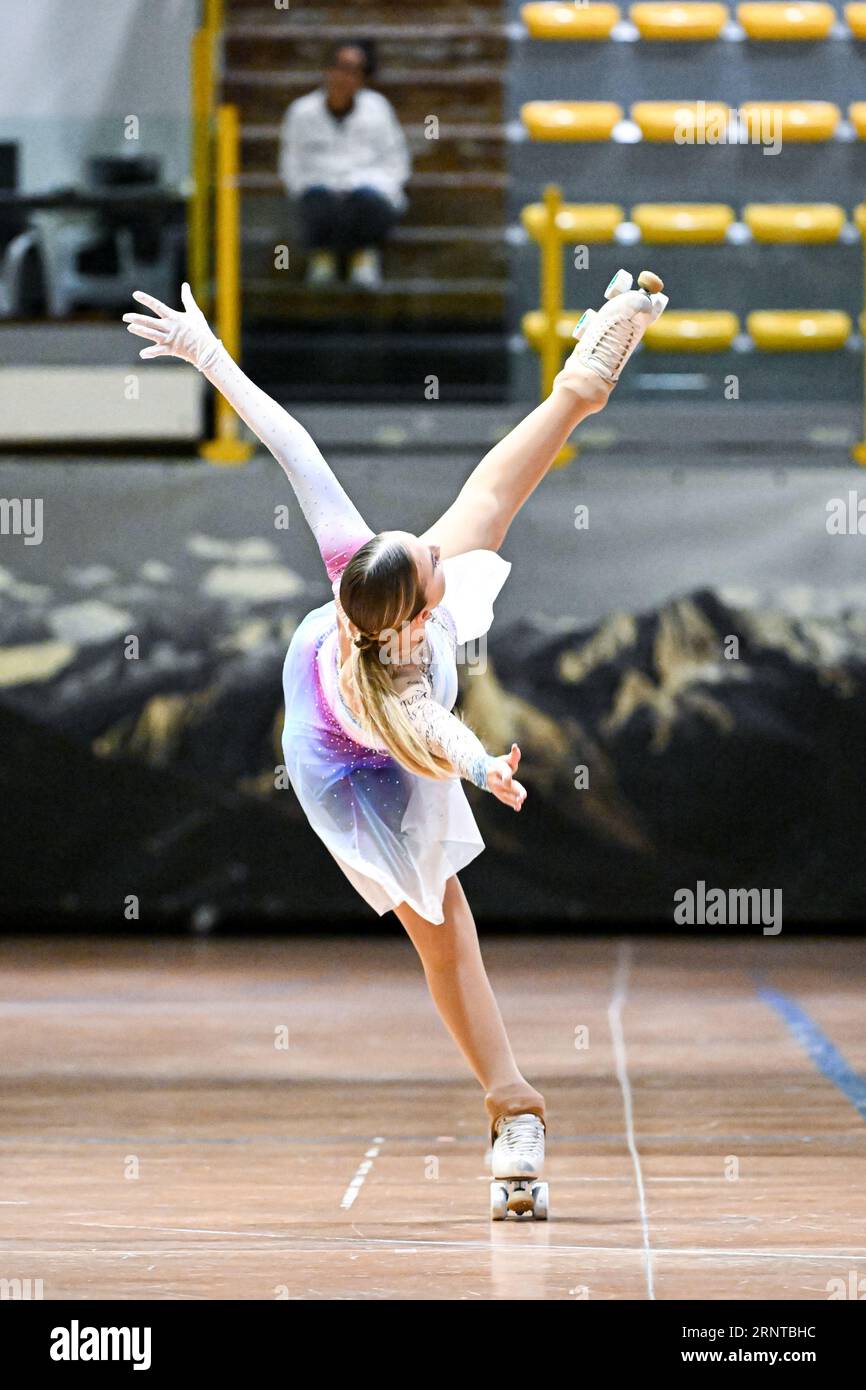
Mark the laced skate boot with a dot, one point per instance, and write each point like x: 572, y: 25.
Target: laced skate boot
x: 517, y: 1159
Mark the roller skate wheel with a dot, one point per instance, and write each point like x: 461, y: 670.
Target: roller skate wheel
x: 650, y: 282
x: 519, y: 1198
x: 621, y: 282
x: 583, y: 323
x: 520, y: 1201
x: 498, y: 1201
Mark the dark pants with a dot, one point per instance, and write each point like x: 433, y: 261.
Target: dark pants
x: 344, y: 222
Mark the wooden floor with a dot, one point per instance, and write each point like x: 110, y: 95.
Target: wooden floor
x: 157, y: 1141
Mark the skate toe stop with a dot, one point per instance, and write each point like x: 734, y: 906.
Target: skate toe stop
x: 650, y: 282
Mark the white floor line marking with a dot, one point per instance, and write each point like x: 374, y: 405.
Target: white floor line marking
x: 573, y: 1178
x: 177, y: 1230
x: 325, y: 1243
x: 363, y: 1169
x: 614, y: 1015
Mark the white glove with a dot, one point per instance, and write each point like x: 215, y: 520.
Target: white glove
x: 173, y: 332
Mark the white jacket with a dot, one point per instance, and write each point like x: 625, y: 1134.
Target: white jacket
x: 366, y: 149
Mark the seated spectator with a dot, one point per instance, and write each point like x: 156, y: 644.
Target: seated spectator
x: 344, y: 158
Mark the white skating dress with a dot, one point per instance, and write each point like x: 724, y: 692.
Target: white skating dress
x: 398, y: 837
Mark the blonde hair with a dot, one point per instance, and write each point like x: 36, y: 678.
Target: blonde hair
x: 380, y: 592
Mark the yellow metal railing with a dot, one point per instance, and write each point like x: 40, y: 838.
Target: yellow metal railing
x: 227, y: 446
x: 551, y: 287
x: 213, y: 217
x: 858, y: 453
x: 552, y: 224
x: 204, y: 61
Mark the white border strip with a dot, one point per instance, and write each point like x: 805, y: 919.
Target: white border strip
x: 614, y: 1017
x: 360, y: 1176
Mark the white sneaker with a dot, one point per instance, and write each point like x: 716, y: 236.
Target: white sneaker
x: 365, y: 270
x: 518, y: 1150
x: 321, y: 270
x: 608, y: 337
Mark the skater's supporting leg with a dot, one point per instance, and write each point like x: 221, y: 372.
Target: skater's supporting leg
x: 451, y: 956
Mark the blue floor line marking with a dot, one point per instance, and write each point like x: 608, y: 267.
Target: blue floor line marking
x: 825, y: 1055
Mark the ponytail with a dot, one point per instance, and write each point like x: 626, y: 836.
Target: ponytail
x: 380, y: 593
x: 383, y: 716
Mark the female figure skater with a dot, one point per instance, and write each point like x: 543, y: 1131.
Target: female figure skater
x: 371, y: 748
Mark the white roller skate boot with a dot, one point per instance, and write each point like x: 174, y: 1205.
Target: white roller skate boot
x: 607, y: 337
x: 517, y: 1159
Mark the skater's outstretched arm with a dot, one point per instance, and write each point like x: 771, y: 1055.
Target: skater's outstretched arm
x: 447, y: 735
x: 497, y: 488
x: 334, y: 519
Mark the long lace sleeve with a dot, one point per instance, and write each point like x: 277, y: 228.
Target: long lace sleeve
x: 445, y: 734
x: 334, y: 519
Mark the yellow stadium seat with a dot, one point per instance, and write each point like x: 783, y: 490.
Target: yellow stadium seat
x: 856, y: 18
x: 678, y: 23
x: 860, y: 217
x: 576, y: 222
x: 857, y: 117
x: 804, y: 19
x: 571, y: 120
x: 557, y: 21
x: 791, y: 120
x: 534, y: 325
x: 704, y: 121
x: 794, y: 221
x: 802, y: 121
x: 690, y: 222
x: 692, y: 330
x: 798, y: 330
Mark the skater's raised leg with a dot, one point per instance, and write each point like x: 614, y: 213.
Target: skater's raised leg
x: 499, y: 485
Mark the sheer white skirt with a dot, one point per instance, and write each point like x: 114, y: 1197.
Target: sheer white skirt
x: 396, y: 836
